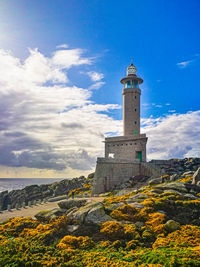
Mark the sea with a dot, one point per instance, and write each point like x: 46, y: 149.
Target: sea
x: 19, y: 183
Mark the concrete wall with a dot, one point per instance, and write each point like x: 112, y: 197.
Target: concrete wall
x: 110, y: 173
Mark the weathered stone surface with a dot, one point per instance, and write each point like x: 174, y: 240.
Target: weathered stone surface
x: 72, y: 228
x: 92, y: 213
x: 80, y: 214
x: 172, y: 226
x: 178, y: 186
x: 174, y: 177
x: 158, y: 180
x: 196, y: 176
x: 190, y: 196
x: 188, y: 173
x: 71, y: 203
x: 46, y: 215
x: 125, y: 191
x: 97, y: 215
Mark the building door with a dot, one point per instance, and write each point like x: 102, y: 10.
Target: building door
x: 139, y: 155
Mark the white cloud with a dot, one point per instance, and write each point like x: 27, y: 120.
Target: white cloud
x: 44, y: 123
x: 172, y: 110
x: 95, y: 76
x: 174, y: 136
x: 184, y: 64
x: 65, y: 59
x: 62, y: 46
x: 96, y: 85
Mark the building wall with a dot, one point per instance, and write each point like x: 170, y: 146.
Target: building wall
x: 110, y: 173
x: 125, y: 149
x: 131, y: 111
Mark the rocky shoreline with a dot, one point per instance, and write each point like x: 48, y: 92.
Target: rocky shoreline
x: 40, y: 192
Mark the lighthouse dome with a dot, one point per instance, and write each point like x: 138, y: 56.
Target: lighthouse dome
x: 131, y: 70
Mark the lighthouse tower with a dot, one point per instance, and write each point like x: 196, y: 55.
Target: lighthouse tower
x: 132, y: 145
x: 131, y: 101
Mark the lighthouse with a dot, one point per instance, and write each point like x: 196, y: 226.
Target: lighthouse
x: 125, y: 156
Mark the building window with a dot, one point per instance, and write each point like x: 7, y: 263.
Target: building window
x: 131, y: 144
x: 135, y: 96
x: 135, y: 109
x: 135, y: 122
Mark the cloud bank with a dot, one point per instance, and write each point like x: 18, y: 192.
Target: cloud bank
x: 44, y: 123
x: 47, y: 124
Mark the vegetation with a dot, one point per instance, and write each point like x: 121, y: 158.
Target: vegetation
x: 163, y: 231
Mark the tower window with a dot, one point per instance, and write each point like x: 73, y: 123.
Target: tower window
x: 128, y: 84
x: 135, y: 122
x: 135, y: 96
x: 135, y: 109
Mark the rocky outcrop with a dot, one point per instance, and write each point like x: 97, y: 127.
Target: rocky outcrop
x: 177, y: 166
x: 40, y: 192
x: 45, y: 216
x: 196, y: 177
x: 72, y: 203
x: 91, y: 213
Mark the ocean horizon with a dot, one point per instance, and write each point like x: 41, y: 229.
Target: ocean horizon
x: 19, y: 183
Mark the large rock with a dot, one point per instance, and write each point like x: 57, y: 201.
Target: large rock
x: 71, y: 203
x: 80, y: 214
x: 46, y: 215
x: 196, y: 177
x: 156, y: 181
x: 171, y: 226
x: 137, y: 198
x: 97, y: 215
x: 91, y: 213
x: 188, y: 173
x: 125, y: 191
x: 178, y: 186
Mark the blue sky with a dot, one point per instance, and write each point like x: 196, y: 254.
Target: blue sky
x: 162, y: 37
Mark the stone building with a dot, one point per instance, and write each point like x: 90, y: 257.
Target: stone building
x: 125, y: 156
